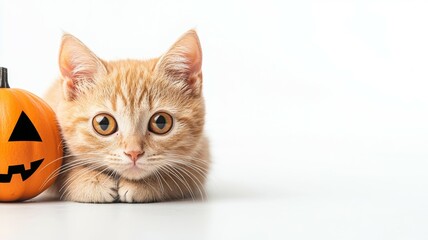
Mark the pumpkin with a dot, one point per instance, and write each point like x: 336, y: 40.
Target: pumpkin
x: 30, y: 143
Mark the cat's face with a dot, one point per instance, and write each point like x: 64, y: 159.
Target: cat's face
x: 132, y: 117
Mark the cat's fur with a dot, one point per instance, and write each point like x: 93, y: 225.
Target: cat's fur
x: 172, y: 166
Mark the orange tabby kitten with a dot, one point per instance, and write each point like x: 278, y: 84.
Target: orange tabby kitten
x: 133, y: 129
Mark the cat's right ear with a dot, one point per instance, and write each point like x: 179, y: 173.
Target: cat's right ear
x: 79, y: 66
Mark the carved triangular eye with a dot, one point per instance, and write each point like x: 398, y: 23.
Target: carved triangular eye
x: 24, y: 130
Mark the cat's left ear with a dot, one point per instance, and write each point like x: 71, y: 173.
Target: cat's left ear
x: 183, y: 62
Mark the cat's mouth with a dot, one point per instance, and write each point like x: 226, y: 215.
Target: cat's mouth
x: 20, y: 169
x: 135, y: 172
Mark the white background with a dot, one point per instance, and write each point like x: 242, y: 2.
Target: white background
x: 317, y: 113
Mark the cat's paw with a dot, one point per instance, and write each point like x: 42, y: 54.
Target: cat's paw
x: 93, y: 188
x: 134, y: 191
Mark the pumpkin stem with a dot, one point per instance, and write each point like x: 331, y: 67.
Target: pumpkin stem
x: 3, y: 76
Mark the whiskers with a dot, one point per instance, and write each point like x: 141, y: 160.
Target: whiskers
x: 92, y: 161
x: 183, y: 171
x: 169, y: 176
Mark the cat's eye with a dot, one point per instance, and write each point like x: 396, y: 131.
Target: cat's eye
x: 160, y: 123
x: 104, y: 124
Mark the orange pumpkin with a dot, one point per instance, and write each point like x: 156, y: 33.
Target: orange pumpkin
x: 30, y: 143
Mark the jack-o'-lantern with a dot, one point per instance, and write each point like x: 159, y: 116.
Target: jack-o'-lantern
x: 30, y: 143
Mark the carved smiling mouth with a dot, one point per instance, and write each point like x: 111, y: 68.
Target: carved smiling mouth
x: 20, y: 169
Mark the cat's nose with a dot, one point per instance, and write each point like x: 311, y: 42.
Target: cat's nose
x: 134, y: 155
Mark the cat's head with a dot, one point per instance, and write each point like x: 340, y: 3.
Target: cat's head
x: 129, y: 116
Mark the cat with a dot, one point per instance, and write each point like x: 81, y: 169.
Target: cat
x: 132, y: 129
